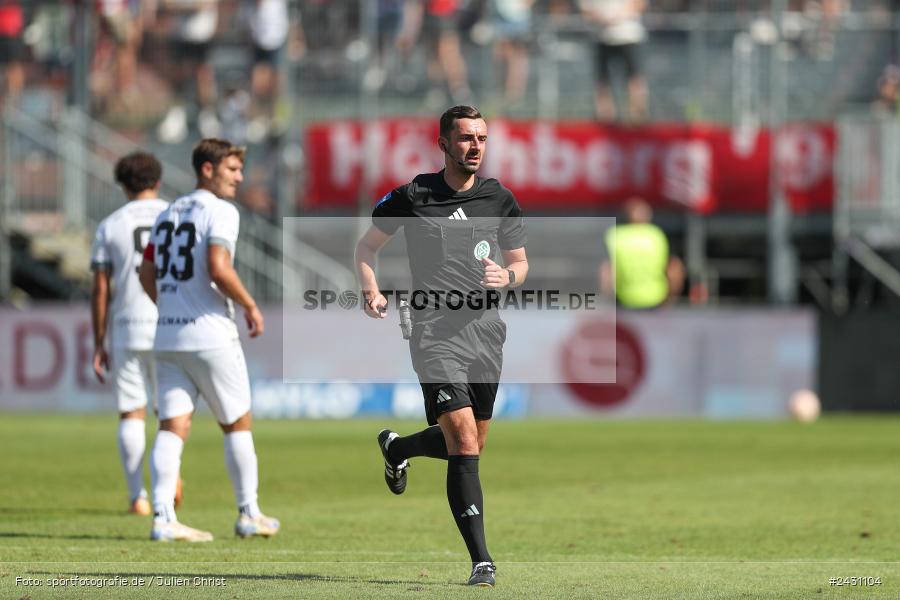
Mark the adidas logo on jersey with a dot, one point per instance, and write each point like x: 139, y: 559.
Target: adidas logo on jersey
x: 470, y: 512
x: 459, y: 215
x: 442, y: 396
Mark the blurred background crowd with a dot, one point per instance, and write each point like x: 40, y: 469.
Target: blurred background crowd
x: 169, y: 70
x: 187, y: 66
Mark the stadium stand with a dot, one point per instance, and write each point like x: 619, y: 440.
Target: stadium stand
x: 830, y: 65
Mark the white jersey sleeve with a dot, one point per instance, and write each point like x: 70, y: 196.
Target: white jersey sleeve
x: 99, y: 253
x: 193, y: 314
x: 224, y: 227
x: 118, y: 248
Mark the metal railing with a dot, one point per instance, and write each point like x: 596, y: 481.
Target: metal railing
x: 867, y: 208
x: 868, y: 168
x: 692, y: 68
x: 58, y: 176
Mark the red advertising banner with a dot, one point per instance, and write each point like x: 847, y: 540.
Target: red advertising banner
x: 583, y: 165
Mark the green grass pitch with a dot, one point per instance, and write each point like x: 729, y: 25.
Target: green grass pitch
x: 586, y: 509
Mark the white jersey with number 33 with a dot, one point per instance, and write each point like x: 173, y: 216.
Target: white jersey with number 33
x: 193, y: 314
x: 118, y: 247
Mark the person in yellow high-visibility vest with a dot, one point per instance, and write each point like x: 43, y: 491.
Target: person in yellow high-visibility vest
x: 640, y: 270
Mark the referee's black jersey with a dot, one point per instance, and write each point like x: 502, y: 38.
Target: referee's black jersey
x: 448, y: 232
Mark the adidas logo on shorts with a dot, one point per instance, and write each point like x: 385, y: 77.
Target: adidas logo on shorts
x: 443, y: 396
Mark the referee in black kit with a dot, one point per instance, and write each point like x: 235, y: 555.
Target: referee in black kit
x: 454, y: 223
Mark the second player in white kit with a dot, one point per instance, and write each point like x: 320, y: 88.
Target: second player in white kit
x: 187, y: 270
x: 119, y: 306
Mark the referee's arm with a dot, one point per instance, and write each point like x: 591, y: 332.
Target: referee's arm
x: 496, y: 277
x: 366, y: 249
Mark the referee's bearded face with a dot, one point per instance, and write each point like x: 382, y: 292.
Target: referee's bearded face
x: 465, y: 148
x: 226, y: 177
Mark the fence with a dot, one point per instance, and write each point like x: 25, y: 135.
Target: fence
x: 867, y: 210
x: 57, y: 177
x: 704, y: 60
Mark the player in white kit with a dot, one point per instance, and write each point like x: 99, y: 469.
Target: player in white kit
x: 187, y: 270
x: 127, y: 313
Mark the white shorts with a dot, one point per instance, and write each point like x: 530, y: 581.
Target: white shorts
x: 220, y: 375
x: 134, y: 375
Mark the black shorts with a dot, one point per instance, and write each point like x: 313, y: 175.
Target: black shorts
x: 458, y: 366
x: 11, y: 50
x: 269, y: 57
x: 191, y: 53
x: 627, y: 54
x: 434, y: 26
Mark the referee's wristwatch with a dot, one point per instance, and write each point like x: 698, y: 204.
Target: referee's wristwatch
x: 512, y: 276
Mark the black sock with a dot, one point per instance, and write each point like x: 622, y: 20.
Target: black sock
x: 467, y: 504
x: 428, y: 442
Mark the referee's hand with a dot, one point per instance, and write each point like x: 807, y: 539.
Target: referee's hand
x: 376, y: 306
x: 495, y: 276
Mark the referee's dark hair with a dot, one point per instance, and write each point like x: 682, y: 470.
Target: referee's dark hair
x: 137, y: 172
x: 457, y: 112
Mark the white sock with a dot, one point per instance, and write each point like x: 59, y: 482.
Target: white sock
x: 165, y: 463
x: 240, y: 459
x: 131, y: 451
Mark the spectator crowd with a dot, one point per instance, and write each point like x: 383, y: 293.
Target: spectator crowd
x: 175, y: 70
